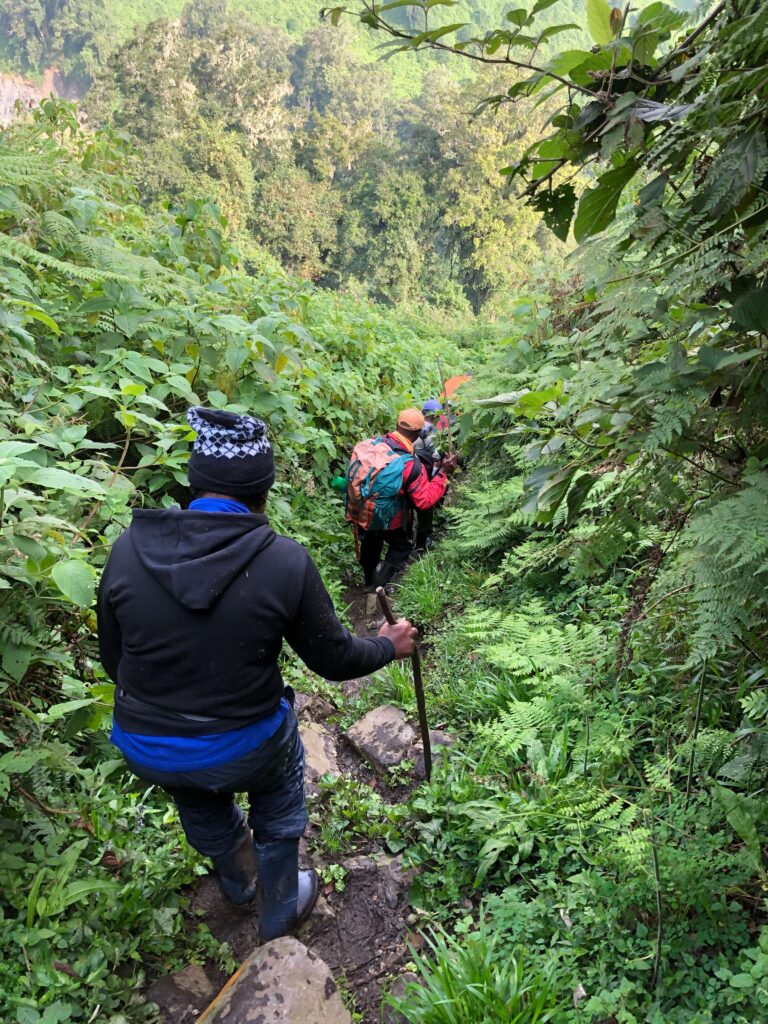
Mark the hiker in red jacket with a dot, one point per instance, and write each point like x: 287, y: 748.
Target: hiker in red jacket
x: 380, y: 517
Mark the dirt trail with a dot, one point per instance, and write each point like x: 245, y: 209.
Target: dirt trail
x: 360, y: 932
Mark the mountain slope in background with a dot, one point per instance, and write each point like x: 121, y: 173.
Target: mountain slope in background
x: 77, y: 36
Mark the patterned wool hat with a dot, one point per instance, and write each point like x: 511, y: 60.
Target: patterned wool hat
x: 230, y: 455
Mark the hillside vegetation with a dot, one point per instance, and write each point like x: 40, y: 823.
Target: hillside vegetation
x: 592, y: 849
x: 78, y: 35
x: 363, y: 175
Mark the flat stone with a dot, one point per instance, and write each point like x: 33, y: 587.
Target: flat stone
x: 352, y: 688
x: 395, y: 879
x: 319, y: 752
x: 281, y: 981
x: 438, y: 738
x: 439, y: 741
x: 181, y: 995
x: 312, y: 707
x: 383, y: 736
x: 301, y: 702
x: 397, y: 989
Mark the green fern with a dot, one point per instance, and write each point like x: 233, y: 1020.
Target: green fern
x: 728, y: 561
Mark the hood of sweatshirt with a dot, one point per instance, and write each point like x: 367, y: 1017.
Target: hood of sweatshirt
x: 196, y: 555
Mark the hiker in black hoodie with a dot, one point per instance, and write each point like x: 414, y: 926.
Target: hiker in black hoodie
x: 193, y: 608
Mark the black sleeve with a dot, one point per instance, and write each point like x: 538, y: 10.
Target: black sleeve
x: 323, y: 644
x: 110, y: 636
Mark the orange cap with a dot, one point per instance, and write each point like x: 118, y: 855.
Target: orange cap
x: 410, y: 419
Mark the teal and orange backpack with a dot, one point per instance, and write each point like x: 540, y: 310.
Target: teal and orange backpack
x: 374, y: 481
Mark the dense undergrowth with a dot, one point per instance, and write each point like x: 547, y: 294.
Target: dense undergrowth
x: 596, y: 615
x: 601, y: 816
x: 592, y: 850
x: 113, y: 322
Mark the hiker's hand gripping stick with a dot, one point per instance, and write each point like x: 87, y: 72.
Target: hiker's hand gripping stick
x: 418, y: 685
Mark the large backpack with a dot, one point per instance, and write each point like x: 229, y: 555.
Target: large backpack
x: 374, y: 482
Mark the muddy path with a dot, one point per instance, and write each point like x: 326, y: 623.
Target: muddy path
x: 361, y: 932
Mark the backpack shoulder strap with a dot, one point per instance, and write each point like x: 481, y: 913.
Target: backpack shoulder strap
x: 414, y: 471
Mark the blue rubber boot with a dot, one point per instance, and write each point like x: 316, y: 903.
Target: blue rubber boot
x: 288, y: 895
x: 237, y: 871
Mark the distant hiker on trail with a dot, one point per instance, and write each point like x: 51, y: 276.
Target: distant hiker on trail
x: 426, y: 451
x: 193, y: 609
x: 385, y: 481
x: 425, y: 446
x: 443, y: 421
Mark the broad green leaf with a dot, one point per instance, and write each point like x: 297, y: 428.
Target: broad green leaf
x: 554, y: 30
x: 66, y: 708
x: 597, y: 207
x: 742, y: 981
x: 519, y: 16
x: 32, y: 312
x: 78, y: 890
x: 436, y: 33
x: 62, y: 480
x: 556, y: 206
x: 490, y: 852
x: 716, y: 358
x: 75, y: 580
x: 661, y: 18
x: 129, y: 322
x: 578, y: 493
x: 14, y: 449
x: 16, y: 762
x: 551, y: 495
x: 15, y: 660
x: 751, y: 311
x: 235, y: 356
x: 394, y: 4
x: 599, y: 21
x: 533, y: 484
x: 644, y: 46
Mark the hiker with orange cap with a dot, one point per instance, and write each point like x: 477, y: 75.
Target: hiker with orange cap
x: 385, y: 482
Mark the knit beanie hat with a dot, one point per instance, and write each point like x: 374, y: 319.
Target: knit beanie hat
x: 230, y: 455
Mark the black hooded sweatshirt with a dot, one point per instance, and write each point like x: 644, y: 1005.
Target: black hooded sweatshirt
x: 193, y: 608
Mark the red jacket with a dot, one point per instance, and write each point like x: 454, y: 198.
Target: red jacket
x: 418, y: 489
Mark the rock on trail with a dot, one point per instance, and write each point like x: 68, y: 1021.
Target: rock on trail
x: 282, y: 981
x: 383, y: 736
x: 182, y: 995
x: 319, y: 753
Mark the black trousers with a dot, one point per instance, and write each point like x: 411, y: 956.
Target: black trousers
x: 372, y: 544
x: 273, y: 777
x: 424, y: 523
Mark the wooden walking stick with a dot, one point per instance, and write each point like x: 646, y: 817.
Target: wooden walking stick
x: 418, y: 686
x: 448, y: 429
